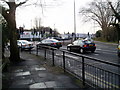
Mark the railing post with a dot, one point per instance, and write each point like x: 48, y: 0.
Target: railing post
x: 53, y: 64
x: 37, y: 50
x: 83, y: 71
x: 30, y: 51
x: 45, y: 53
x: 64, y: 61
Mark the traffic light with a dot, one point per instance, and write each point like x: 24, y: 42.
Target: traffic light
x: 21, y: 30
x: 50, y: 31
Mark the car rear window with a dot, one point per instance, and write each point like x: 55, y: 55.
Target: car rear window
x: 53, y: 40
x: 87, y: 41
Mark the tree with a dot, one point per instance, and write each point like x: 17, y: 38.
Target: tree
x: 9, y: 15
x: 116, y: 12
x: 98, y: 33
x: 101, y: 13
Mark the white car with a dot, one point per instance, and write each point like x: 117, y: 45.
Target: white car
x: 24, y: 44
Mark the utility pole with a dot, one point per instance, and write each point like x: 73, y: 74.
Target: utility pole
x: 74, y: 21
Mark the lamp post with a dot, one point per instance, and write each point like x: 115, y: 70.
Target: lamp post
x: 74, y: 22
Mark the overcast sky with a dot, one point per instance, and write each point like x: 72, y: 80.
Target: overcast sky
x: 60, y: 17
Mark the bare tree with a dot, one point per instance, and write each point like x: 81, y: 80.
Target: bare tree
x: 116, y: 12
x: 9, y: 15
x: 101, y: 13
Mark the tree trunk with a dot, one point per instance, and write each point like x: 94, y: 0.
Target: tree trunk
x: 14, y: 52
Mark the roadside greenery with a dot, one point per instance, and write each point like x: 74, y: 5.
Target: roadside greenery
x: 5, y: 34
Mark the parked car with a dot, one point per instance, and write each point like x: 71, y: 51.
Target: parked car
x: 82, y: 46
x: 118, y: 51
x: 51, y: 42
x: 24, y: 44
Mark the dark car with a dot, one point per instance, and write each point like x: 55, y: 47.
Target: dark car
x: 118, y: 51
x: 82, y: 46
x: 51, y: 42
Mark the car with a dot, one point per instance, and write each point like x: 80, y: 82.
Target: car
x: 51, y: 42
x: 118, y: 50
x: 82, y: 45
x: 24, y: 44
x: 57, y: 38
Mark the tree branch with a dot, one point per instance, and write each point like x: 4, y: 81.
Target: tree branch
x: 21, y: 3
x: 114, y: 11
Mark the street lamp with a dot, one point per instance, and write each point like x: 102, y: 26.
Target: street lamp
x: 74, y: 21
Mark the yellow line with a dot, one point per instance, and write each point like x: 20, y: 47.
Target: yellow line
x: 103, y: 81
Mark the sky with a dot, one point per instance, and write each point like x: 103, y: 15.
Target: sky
x: 59, y: 16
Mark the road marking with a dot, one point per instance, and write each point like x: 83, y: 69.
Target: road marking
x: 96, y: 54
x: 106, y: 50
x: 69, y: 56
x: 99, y: 80
x: 98, y: 49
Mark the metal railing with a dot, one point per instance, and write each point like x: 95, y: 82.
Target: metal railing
x: 92, y: 71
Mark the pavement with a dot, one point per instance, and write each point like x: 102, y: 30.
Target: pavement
x: 33, y: 73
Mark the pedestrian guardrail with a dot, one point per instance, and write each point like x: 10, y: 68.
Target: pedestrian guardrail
x: 92, y: 71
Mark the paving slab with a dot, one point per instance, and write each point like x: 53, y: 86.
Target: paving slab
x: 33, y: 73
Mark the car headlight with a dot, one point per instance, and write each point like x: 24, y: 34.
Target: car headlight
x: 119, y: 47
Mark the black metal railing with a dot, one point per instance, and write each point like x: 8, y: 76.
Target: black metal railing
x: 92, y: 71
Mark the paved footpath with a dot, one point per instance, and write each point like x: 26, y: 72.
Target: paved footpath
x: 35, y: 73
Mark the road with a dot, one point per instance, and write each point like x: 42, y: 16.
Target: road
x: 104, y: 51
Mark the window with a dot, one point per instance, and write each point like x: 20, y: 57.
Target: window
x: 75, y: 42
x: 87, y: 41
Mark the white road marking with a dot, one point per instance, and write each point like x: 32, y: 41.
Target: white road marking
x: 96, y: 54
x: 110, y: 51
x: 68, y: 56
x: 72, y: 56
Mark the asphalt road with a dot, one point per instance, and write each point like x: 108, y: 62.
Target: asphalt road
x: 104, y: 51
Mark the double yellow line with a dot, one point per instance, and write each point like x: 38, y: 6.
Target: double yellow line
x: 102, y: 82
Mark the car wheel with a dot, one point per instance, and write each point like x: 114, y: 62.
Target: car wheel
x: 68, y: 48
x: 93, y: 51
x: 118, y: 54
x: 82, y: 50
x: 58, y: 47
x: 29, y: 49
